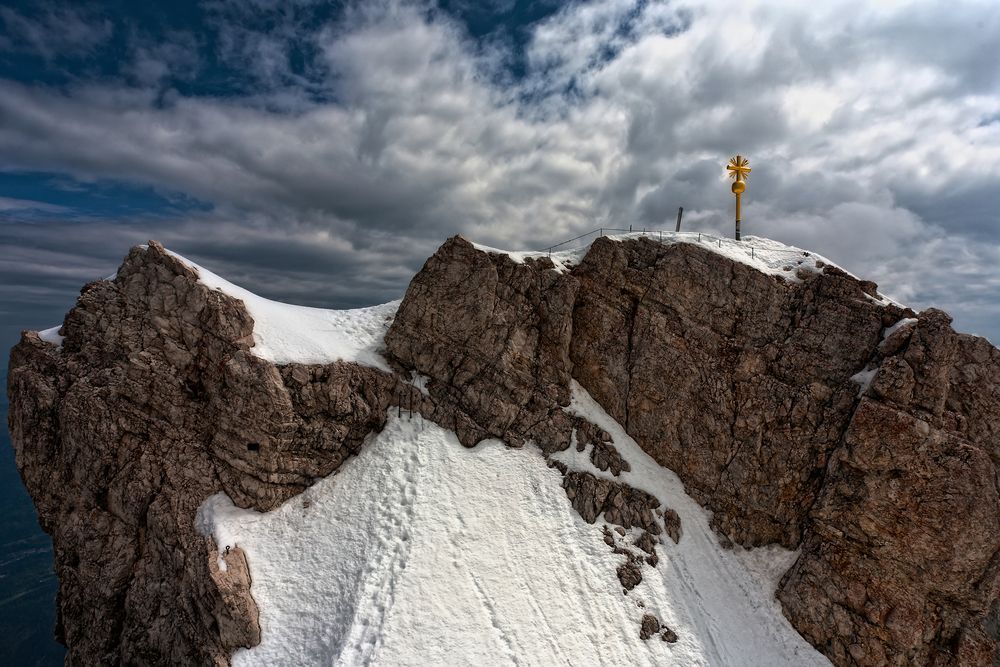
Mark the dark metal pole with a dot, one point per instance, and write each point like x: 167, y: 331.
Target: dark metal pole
x: 680, y: 212
x: 737, y: 217
x: 738, y: 209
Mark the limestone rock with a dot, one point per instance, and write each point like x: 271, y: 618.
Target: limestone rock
x: 672, y: 524
x: 649, y: 626
x: 493, y: 335
x: 630, y: 574
x: 604, y: 456
x: 741, y: 382
x: 620, y: 503
x: 736, y: 380
x: 901, y: 567
x: 152, y: 404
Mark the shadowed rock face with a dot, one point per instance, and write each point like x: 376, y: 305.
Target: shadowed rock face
x: 738, y: 381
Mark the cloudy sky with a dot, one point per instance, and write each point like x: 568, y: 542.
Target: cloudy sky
x: 318, y: 152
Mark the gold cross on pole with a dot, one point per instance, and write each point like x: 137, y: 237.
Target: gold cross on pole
x: 739, y: 171
x: 739, y: 168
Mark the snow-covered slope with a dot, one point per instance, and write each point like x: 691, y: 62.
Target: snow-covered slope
x: 420, y: 551
x: 285, y: 334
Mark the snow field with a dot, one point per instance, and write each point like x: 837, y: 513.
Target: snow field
x: 420, y: 551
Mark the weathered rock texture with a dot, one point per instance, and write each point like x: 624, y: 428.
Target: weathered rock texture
x: 494, y: 338
x: 153, y: 404
x: 901, y: 563
x: 739, y: 381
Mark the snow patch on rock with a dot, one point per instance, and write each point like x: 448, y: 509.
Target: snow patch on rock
x: 905, y: 322
x: 563, y: 260
x: 52, y: 336
x: 284, y: 333
x: 864, y: 379
x: 765, y: 255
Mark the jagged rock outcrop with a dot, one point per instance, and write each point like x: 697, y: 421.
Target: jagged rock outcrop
x: 493, y: 336
x: 736, y: 380
x: 619, y: 503
x: 901, y: 563
x: 152, y: 404
x: 744, y: 383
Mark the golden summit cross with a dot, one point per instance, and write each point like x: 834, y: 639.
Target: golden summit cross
x: 739, y: 171
x: 739, y: 168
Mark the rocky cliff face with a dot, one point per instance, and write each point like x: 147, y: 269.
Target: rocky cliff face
x: 781, y: 404
x: 900, y: 561
x: 152, y: 404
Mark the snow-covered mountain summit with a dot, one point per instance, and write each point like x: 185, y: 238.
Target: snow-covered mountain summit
x: 649, y: 450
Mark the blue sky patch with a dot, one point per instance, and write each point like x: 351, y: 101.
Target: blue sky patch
x: 51, y: 196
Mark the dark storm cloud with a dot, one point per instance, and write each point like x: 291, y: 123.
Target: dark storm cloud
x: 363, y: 136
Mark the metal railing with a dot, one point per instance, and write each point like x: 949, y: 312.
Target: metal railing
x: 658, y: 233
